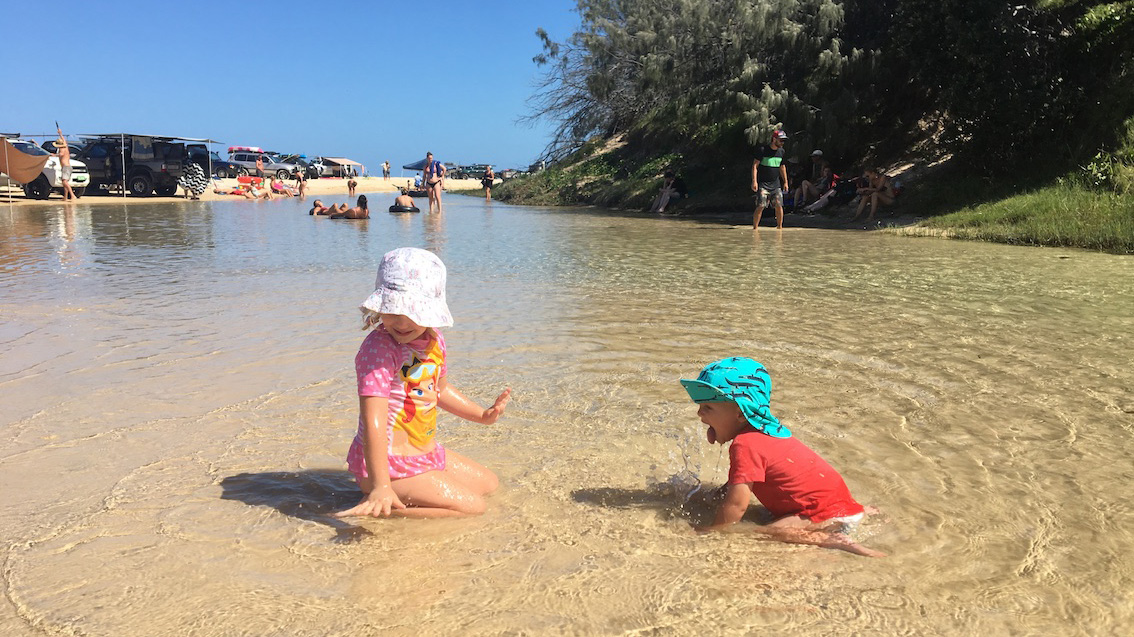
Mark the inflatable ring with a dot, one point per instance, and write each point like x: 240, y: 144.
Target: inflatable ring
x: 404, y: 209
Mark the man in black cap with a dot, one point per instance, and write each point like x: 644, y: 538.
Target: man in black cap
x: 769, y: 178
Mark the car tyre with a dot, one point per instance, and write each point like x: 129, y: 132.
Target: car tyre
x: 282, y: 174
x: 242, y: 172
x: 39, y: 188
x: 141, y: 185
x: 79, y: 192
x: 221, y: 172
x: 166, y: 190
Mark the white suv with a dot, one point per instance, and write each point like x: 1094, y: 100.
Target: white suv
x: 51, y: 179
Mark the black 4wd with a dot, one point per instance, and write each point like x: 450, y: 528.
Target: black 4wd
x: 145, y: 166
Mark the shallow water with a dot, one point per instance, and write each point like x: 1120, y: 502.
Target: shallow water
x: 178, y: 398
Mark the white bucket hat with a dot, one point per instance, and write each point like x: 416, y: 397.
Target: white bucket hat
x: 411, y: 282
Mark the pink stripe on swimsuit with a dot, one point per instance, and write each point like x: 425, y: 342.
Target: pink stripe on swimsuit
x: 400, y: 466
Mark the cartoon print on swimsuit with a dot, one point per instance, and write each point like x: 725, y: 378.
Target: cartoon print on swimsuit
x: 420, y: 378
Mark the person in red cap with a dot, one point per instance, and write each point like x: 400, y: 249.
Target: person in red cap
x: 769, y: 178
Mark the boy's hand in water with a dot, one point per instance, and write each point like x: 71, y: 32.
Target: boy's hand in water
x: 497, y: 409
x: 378, y: 503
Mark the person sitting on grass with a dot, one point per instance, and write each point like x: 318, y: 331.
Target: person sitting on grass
x: 807, y: 498
x: 876, y: 190
x: 818, y: 184
x: 360, y: 211
x: 672, y: 186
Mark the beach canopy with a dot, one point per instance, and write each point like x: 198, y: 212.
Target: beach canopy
x: 19, y: 165
x: 341, y: 161
x: 175, y: 138
x: 417, y: 165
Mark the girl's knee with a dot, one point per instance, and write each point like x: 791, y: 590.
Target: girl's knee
x: 490, y: 483
x: 471, y: 505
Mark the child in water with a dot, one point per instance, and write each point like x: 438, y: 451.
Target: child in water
x: 401, y: 372
x: 809, y: 500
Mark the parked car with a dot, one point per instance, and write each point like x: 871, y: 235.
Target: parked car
x: 308, y: 168
x: 49, y: 146
x: 222, y: 168
x: 146, y: 164
x: 51, y: 179
x: 246, y: 157
x: 324, y: 169
x: 471, y: 171
x: 507, y: 173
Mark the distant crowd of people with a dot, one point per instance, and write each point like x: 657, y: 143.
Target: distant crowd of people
x: 771, y: 181
x: 773, y: 178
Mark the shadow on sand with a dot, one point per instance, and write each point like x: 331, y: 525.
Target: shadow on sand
x: 698, y: 507
x: 313, y: 495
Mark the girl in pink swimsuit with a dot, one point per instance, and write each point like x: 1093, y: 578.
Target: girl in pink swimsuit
x: 401, y: 369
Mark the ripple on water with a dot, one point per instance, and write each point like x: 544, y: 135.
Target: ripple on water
x: 186, y: 373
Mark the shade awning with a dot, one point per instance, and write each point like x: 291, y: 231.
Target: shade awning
x: 21, y: 166
x: 417, y: 165
x: 203, y: 140
x: 341, y: 161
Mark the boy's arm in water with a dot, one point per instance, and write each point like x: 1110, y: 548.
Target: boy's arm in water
x: 736, y: 501
x: 381, y: 497
x: 454, y: 402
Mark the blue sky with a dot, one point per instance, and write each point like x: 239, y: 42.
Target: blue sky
x: 366, y: 80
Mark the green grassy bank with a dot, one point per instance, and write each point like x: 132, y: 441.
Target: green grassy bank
x: 1053, y: 215
x: 1067, y: 211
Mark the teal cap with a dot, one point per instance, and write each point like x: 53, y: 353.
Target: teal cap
x: 744, y: 382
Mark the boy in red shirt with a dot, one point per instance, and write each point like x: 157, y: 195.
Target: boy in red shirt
x: 808, y: 499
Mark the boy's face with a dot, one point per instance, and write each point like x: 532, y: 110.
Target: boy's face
x: 724, y: 420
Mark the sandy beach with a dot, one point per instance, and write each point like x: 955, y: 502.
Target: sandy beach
x: 327, y: 187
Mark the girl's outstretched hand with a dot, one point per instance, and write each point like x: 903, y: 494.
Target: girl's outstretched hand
x: 378, y: 503
x: 497, y: 409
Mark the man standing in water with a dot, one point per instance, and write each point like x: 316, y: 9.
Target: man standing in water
x: 64, y: 152
x: 769, y: 178
x: 434, y: 180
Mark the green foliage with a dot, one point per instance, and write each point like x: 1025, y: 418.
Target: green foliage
x: 1003, y: 80
x: 1060, y: 215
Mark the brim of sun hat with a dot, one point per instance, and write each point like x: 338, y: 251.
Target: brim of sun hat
x: 758, y: 417
x: 701, y: 392
x: 425, y: 311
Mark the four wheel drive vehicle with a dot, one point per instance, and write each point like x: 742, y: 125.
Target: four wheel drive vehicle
x: 272, y: 166
x: 308, y: 168
x: 471, y: 171
x: 199, y: 154
x: 321, y: 169
x: 148, y: 165
x: 50, y: 147
x: 51, y: 179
